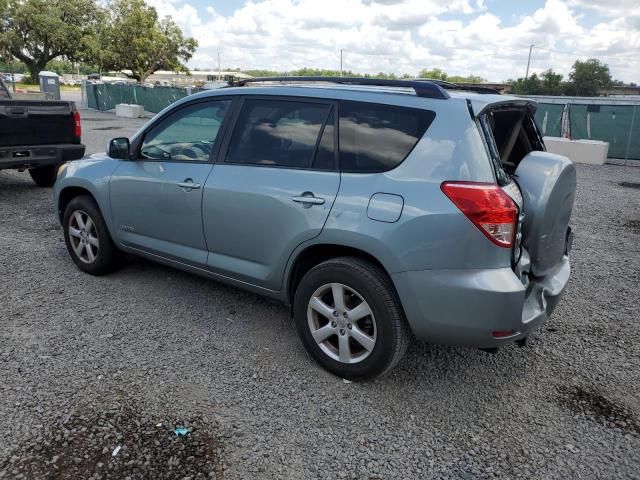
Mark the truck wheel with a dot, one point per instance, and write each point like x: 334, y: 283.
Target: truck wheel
x: 44, y: 176
x: 349, y: 318
x: 87, y: 238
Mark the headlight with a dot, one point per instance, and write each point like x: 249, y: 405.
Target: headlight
x: 62, y: 168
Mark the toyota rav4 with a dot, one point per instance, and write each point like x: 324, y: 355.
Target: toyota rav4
x: 377, y: 210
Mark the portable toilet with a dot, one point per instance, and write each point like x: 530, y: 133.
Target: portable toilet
x: 50, y: 83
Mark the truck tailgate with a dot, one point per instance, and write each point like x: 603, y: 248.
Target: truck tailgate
x: 29, y: 122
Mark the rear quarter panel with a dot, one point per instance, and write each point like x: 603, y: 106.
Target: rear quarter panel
x: 431, y: 232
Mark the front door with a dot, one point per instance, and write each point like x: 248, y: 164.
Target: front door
x: 273, y: 188
x: 156, y: 199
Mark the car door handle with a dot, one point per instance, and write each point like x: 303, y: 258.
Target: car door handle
x: 188, y: 184
x: 309, y: 200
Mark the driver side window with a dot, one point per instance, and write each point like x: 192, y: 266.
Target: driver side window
x: 186, y: 135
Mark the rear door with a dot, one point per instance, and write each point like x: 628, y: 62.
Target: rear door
x: 156, y: 199
x: 546, y: 185
x: 272, y: 189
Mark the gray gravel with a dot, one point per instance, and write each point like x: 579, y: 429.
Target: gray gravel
x: 118, y: 355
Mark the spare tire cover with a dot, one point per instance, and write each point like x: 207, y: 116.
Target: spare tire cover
x: 548, y: 185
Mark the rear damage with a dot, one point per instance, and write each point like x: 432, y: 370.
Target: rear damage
x: 487, y: 308
x: 542, y: 186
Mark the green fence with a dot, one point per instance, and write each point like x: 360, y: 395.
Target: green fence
x: 617, y: 124
x: 105, y: 96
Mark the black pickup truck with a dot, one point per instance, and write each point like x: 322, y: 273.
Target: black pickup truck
x: 38, y: 135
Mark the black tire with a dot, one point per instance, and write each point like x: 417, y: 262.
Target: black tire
x: 44, y: 176
x: 107, y: 257
x: 373, y: 285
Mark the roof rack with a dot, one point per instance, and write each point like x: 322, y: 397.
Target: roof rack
x: 428, y: 89
x: 461, y: 86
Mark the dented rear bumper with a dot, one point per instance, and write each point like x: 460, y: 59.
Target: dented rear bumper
x: 467, y: 307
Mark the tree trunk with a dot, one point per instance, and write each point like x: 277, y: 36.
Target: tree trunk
x: 34, y: 70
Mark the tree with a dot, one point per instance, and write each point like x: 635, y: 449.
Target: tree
x: 437, y: 74
x: 552, y: 83
x: 38, y: 31
x: 468, y: 79
x: 137, y: 43
x: 531, y: 85
x: 588, y: 78
x: 433, y: 74
x: 548, y: 83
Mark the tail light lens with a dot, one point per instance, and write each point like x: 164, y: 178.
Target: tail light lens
x: 77, y: 129
x: 488, y: 207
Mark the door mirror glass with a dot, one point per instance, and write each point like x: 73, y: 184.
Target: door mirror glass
x: 119, y: 148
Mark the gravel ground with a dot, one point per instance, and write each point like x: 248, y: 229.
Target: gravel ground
x: 89, y: 364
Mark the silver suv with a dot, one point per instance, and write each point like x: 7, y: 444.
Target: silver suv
x: 375, y: 209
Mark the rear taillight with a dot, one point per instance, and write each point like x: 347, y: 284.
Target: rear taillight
x: 488, y: 207
x: 77, y: 129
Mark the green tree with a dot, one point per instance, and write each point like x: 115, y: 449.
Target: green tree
x: 468, y: 79
x: 552, y: 83
x: 548, y: 83
x: 38, y: 31
x: 527, y: 86
x: 588, y: 78
x: 438, y: 74
x: 138, y: 43
x: 433, y: 74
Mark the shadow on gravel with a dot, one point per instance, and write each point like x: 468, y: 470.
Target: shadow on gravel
x: 633, y: 225
x: 589, y: 402
x: 630, y: 185
x: 12, y: 186
x: 85, y: 445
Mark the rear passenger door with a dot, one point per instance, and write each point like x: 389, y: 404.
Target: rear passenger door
x: 272, y: 188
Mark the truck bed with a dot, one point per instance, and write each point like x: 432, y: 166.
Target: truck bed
x: 36, y: 122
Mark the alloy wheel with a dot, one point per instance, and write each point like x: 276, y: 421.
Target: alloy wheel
x: 83, y: 236
x: 342, y: 323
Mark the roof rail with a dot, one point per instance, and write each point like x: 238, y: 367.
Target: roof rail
x: 461, y: 86
x: 427, y: 89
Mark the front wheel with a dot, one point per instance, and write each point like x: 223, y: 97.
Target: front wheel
x: 44, y: 176
x: 87, y: 238
x: 349, y: 318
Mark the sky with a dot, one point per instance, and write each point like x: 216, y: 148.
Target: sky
x: 489, y: 38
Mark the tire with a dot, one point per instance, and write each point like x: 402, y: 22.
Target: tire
x: 44, y: 176
x: 367, y: 287
x: 91, y: 247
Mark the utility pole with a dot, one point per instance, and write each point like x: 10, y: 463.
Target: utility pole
x: 219, y: 71
x: 341, y: 62
x: 526, y: 75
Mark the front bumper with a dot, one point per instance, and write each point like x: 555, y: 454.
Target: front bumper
x: 30, y: 156
x: 464, y: 307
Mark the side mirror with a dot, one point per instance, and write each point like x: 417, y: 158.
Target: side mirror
x: 119, y: 148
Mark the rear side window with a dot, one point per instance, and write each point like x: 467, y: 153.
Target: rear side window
x: 277, y: 133
x: 376, y: 138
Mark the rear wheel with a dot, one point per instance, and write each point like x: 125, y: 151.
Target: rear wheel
x: 349, y: 318
x: 44, y: 176
x: 87, y: 238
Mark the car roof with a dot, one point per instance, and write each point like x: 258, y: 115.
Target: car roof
x: 402, y: 96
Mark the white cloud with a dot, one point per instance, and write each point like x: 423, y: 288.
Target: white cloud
x: 460, y: 36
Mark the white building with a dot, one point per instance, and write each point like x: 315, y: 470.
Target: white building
x: 181, y: 79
